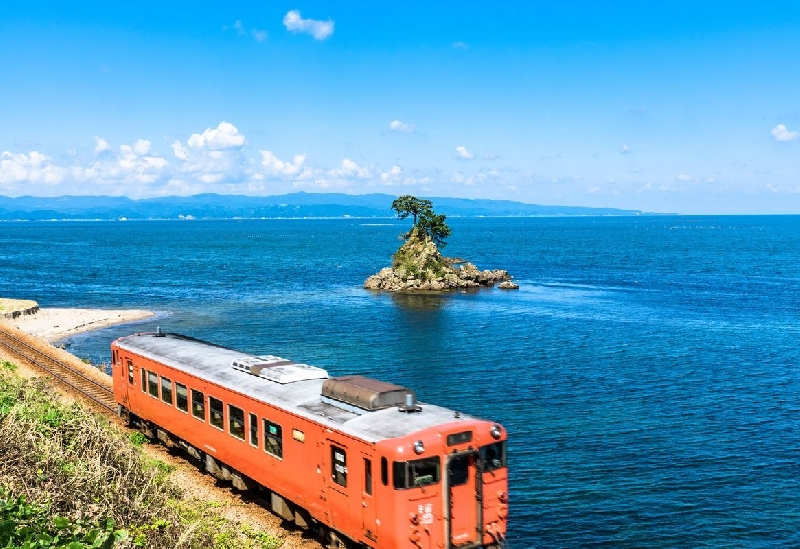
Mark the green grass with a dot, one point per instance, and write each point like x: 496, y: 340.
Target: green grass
x: 69, y: 479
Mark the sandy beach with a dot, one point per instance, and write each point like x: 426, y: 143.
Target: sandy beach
x: 54, y: 324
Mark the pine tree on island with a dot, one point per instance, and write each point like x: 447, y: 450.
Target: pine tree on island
x: 418, y: 265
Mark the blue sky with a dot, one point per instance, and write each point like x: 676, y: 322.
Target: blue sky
x: 687, y: 107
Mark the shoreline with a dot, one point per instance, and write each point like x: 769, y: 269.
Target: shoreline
x: 55, y: 324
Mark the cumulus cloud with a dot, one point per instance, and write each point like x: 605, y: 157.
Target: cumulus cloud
x: 320, y: 30
x: 276, y: 167
x: 683, y: 177
x: 101, y: 145
x: 782, y: 133
x: 348, y: 169
x: 33, y: 167
x: 462, y: 152
x: 624, y: 149
x: 401, y: 127
x: 257, y: 34
x: 224, y: 136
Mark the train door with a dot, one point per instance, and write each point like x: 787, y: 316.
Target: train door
x: 465, y: 501
x: 368, y: 512
x: 338, y: 479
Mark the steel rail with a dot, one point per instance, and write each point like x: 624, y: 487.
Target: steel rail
x: 60, y: 371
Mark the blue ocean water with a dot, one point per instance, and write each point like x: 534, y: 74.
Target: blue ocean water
x: 647, y: 369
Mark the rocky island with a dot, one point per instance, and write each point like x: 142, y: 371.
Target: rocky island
x: 419, y: 266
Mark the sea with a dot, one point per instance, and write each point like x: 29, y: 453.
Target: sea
x: 647, y: 369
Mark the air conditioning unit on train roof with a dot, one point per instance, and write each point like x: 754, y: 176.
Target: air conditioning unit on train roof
x: 366, y: 393
x: 277, y: 369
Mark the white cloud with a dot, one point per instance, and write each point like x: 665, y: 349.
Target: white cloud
x: 683, y: 177
x: 142, y: 147
x: 179, y: 150
x: 462, y: 152
x: 401, y: 127
x: 277, y: 167
x: 259, y: 35
x: 782, y: 133
x: 33, y: 167
x: 101, y: 145
x: 224, y: 136
x: 625, y: 150
x: 460, y: 45
x: 320, y: 30
x: 349, y: 169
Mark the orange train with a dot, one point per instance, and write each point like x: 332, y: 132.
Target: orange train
x: 356, y: 459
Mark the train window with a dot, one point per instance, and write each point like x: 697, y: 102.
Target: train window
x: 420, y: 472
x: 166, y: 390
x: 236, y: 421
x: 384, y: 471
x: 198, y: 405
x: 215, y: 416
x: 152, y: 384
x: 458, y: 470
x: 254, y: 430
x: 493, y: 456
x: 144, y: 381
x: 273, y: 439
x: 181, y: 397
x: 339, y: 466
x: 367, y: 476
x: 130, y: 372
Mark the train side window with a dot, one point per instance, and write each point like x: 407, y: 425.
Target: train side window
x: 181, y: 397
x: 130, y: 371
x: 339, y: 466
x: 166, y: 390
x: 273, y: 439
x: 458, y: 470
x: 152, y: 384
x: 144, y: 380
x: 236, y: 421
x: 420, y: 472
x: 384, y: 471
x: 367, y: 476
x: 215, y: 416
x: 254, y: 430
x: 198, y: 405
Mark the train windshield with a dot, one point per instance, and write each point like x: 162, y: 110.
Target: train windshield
x: 419, y: 472
x: 493, y: 456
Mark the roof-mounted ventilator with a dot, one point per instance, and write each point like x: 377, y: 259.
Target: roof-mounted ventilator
x: 277, y: 369
x: 365, y: 393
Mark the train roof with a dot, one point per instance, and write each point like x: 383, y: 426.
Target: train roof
x: 304, y: 390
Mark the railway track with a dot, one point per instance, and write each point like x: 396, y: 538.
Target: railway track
x: 62, y: 372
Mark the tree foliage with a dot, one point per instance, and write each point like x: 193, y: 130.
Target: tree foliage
x: 425, y: 219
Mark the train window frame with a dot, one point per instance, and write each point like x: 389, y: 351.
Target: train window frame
x: 404, y: 473
x: 181, y: 401
x: 236, y: 422
x: 458, y: 470
x: 339, y: 465
x: 254, y: 441
x: 216, y: 407
x: 166, y: 390
x: 493, y: 465
x: 273, y: 439
x: 152, y: 384
x: 368, y: 476
x: 144, y: 380
x: 198, y: 405
x: 130, y: 372
x: 385, y: 471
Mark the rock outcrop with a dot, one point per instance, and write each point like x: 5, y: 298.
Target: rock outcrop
x: 418, y: 266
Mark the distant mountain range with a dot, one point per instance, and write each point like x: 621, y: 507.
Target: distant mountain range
x: 295, y: 205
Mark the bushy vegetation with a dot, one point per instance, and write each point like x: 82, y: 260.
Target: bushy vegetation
x: 426, y: 222
x: 68, y: 479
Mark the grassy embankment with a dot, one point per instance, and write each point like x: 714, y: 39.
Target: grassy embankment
x: 69, y: 479
x: 11, y: 305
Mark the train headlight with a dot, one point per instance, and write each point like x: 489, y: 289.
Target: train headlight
x: 419, y: 447
x: 495, y: 431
